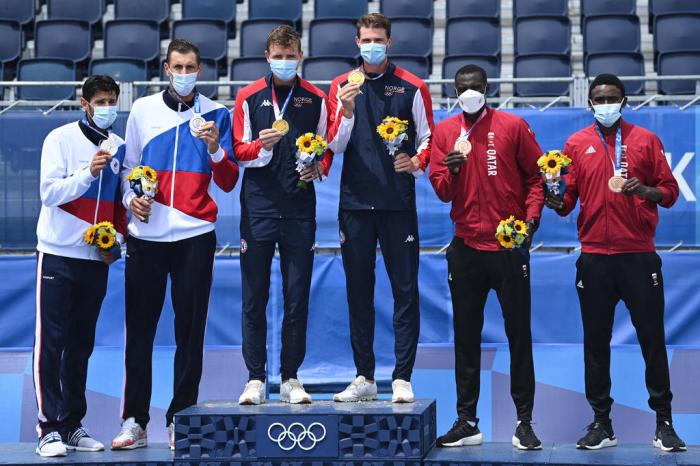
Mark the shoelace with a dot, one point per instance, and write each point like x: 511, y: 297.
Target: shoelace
x: 293, y: 383
x: 49, y: 438
x: 129, y: 427
x: 76, y: 435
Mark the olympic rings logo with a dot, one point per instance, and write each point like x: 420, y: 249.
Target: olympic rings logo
x: 296, y: 435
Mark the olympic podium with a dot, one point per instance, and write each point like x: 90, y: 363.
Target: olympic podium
x: 381, y: 433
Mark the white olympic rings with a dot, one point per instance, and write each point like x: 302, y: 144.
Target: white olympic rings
x: 293, y: 436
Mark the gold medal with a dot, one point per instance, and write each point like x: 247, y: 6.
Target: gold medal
x: 356, y: 77
x: 281, y: 125
x: 616, y: 183
x: 463, y: 145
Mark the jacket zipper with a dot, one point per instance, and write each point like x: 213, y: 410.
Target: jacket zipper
x: 177, y: 138
x: 99, y: 194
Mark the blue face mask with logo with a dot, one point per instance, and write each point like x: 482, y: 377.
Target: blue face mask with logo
x: 372, y: 53
x: 184, y: 83
x: 103, y: 117
x: 284, y: 70
x: 607, y: 114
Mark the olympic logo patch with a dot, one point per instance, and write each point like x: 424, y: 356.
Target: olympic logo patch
x: 296, y: 435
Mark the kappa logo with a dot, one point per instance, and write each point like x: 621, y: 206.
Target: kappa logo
x: 266, y: 103
x: 590, y: 150
x: 580, y: 284
x: 244, y: 246
x: 391, y: 90
x: 654, y: 279
x: 410, y: 239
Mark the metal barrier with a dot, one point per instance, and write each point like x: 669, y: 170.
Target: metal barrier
x: 577, y: 95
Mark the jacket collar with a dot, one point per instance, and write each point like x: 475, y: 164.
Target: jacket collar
x: 172, y: 103
x: 92, y: 133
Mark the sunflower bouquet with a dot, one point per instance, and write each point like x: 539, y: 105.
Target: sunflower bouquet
x: 144, y: 181
x: 553, y: 165
x: 101, y: 235
x: 393, y: 133
x: 311, y: 148
x: 511, y: 233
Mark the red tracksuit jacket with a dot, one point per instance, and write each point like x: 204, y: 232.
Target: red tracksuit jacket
x: 500, y: 177
x: 613, y: 223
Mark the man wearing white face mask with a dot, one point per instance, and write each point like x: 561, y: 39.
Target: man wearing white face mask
x: 484, y: 162
x: 186, y: 138
x: 77, y: 190
x: 621, y: 174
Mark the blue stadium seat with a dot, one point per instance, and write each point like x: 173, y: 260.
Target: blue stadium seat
x: 620, y: 64
x: 276, y: 9
x: 411, y: 36
x: 473, y: 9
x: 333, y: 36
x: 678, y: 63
x: 121, y: 69
x: 210, y: 35
x: 209, y: 72
x: 352, y: 9
x: 63, y: 38
x: 254, y: 35
x: 224, y: 10
x: 420, y: 66
x: 525, y: 8
x: 473, y: 36
x: 591, y: 8
x: 326, y: 69
x: 677, y: 33
x: 10, y: 43
x: 663, y: 7
x: 452, y: 64
x: 154, y: 10
x: 21, y: 11
x: 85, y: 10
x: 2, y: 75
x: 46, y: 69
x: 613, y: 33
x: 138, y: 38
x: 542, y: 34
x: 541, y: 66
x: 407, y: 9
x: 248, y: 69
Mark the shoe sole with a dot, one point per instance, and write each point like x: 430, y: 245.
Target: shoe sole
x: 516, y: 443
x: 50, y: 455
x: 472, y: 441
x: 403, y: 400
x: 356, y: 400
x: 71, y: 448
x: 250, y: 402
x: 137, y: 444
x: 606, y: 443
x: 657, y: 444
x: 303, y: 401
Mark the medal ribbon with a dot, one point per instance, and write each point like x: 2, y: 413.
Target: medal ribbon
x: 280, y: 113
x: 101, y: 134
x: 466, y: 131
x: 179, y: 99
x: 617, y: 163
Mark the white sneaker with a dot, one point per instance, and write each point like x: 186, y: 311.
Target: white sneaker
x: 131, y: 436
x: 80, y: 440
x: 51, y: 445
x: 403, y: 392
x: 253, y: 393
x: 171, y: 435
x: 292, y: 391
x: 358, y: 390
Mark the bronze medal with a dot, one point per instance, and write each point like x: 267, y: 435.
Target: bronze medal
x: 616, y: 183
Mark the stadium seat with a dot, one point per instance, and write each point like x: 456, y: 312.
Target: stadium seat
x: 326, y: 69
x: 2, y: 74
x: 63, y: 38
x: 407, y: 9
x: 451, y: 64
x: 254, y: 35
x: 620, y: 64
x: 138, y: 38
x: 541, y: 66
x: 473, y: 36
x: 411, y: 36
x: 662, y: 7
x: 209, y: 72
x: 46, y: 69
x: 525, y: 8
x: 85, y: 10
x: 591, y: 8
x: 352, y: 9
x: 121, y: 69
x: 333, y: 36
x: 154, y: 10
x: 678, y: 63
x: 276, y: 9
x: 677, y: 33
x: 21, y: 11
x: 224, y: 10
x: 614, y: 33
x: 473, y: 9
x: 209, y: 34
x: 248, y: 69
x: 542, y: 34
x: 420, y: 66
x: 10, y: 46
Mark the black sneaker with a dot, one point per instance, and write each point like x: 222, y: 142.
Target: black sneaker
x: 666, y: 438
x: 461, y: 434
x: 525, y: 438
x: 600, y: 435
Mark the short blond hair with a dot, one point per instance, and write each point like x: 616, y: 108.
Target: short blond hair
x: 284, y: 36
x: 374, y: 21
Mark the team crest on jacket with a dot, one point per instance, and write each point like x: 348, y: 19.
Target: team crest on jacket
x: 244, y: 246
x: 299, y: 101
x: 342, y: 236
x: 114, y: 165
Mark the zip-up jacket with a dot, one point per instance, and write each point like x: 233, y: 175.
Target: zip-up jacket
x: 613, y: 223
x: 158, y: 135
x: 368, y: 180
x: 270, y: 178
x: 500, y: 177
x: 71, y: 198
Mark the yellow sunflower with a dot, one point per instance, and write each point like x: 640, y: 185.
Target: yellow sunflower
x: 506, y: 241
x: 305, y: 143
x: 105, y: 241
x: 89, y: 236
x: 520, y: 227
x: 106, y: 225
x: 135, y: 173
x: 565, y: 161
x: 551, y: 164
x: 389, y: 130
x: 150, y: 174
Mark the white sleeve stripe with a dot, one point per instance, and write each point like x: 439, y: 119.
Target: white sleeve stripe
x: 322, y: 127
x: 247, y: 132
x: 420, y: 118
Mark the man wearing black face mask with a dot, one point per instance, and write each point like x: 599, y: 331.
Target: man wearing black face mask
x: 620, y: 172
x: 485, y: 163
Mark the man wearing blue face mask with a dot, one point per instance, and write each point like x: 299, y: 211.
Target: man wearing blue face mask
x: 620, y: 173
x: 378, y: 200
x: 77, y: 190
